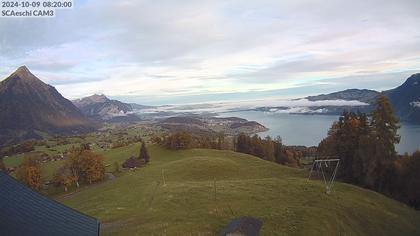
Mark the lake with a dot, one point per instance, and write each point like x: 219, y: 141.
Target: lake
x: 309, y: 130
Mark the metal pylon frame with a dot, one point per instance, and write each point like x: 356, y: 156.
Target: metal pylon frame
x: 325, y: 162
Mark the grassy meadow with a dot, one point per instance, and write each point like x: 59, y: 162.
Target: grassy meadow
x: 198, y: 191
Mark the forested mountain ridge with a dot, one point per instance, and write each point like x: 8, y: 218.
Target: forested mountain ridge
x: 405, y: 98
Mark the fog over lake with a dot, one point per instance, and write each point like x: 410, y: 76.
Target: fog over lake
x: 309, y: 130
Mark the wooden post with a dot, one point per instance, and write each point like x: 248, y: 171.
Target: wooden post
x: 215, y: 193
x: 163, y: 177
x: 215, y: 196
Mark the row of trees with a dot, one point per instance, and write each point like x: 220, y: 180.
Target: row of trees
x: 82, y: 165
x: 366, y: 148
x: 268, y: 149
x: 184, y: 140
x: 24, y: 147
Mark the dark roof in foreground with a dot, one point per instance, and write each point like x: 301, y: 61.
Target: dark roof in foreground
x: 247, y: 226
x: 26, y: 212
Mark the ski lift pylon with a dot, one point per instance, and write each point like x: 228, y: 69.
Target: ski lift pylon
x: 328, y: 182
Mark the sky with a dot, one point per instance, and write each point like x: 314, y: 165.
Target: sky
x: 175, y: 52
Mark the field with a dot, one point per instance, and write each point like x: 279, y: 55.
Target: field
x: 202, y: 190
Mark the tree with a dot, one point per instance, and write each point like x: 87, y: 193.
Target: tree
x: 257, y: 147
x: 74, y: 163
x: 178, y: 140
x: 63, y: 177
x: 86, y: 165
x: 243, y: 143
x: 279, y: 154
x: 144, y: 154
x: 93, y: 167
x: 348, y: 139
x: 385, y: 126
x: 29, y: 173
x: 366, y: 150
x: 268, y: 149
x: 220, y: 140
x: 411, y: 179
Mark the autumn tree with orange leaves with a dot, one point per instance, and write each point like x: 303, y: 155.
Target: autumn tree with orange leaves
x: 86, y: 166
x: 29, y: 173
x: 82, y: 165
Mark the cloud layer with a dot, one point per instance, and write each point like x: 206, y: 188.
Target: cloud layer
x: 185, y: 51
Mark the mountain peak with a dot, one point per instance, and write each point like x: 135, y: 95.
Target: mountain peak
x: 20, y: 79
x: 414, y: 79
x: 29, y: 105
x: 98, y: 96
x: 95, y: 98
x: 24, y: 74
x: 23, y: 68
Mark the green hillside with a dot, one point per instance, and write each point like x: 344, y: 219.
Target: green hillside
x: 137, y: 202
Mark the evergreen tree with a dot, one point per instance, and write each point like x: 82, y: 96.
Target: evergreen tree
x: 345, y: 138
x: 257, y: 148
x: 144, y: 154
x: 268, y: 149
x: 385, y: 126
x: 220, y: 140
x: 278, y: 151
x: 362, y: 163
x: 243, y: 144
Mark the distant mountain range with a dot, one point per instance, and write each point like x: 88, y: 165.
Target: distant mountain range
x: 102, y: 108
x: 362, y: 95
x: 29, y: 107
x: 405, y: 99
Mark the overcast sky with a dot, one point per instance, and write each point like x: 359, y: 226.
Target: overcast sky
x: 160, y: 52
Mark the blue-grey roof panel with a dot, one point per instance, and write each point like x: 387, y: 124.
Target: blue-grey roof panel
x: 26, y: 212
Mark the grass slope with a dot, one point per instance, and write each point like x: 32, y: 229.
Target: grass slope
x: 137, y: 202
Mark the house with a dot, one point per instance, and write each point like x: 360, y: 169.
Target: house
x: 244, y: 226
x: 26, y: 212
x: 132, y: 163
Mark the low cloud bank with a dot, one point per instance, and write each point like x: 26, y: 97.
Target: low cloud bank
x: 278, y: 106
